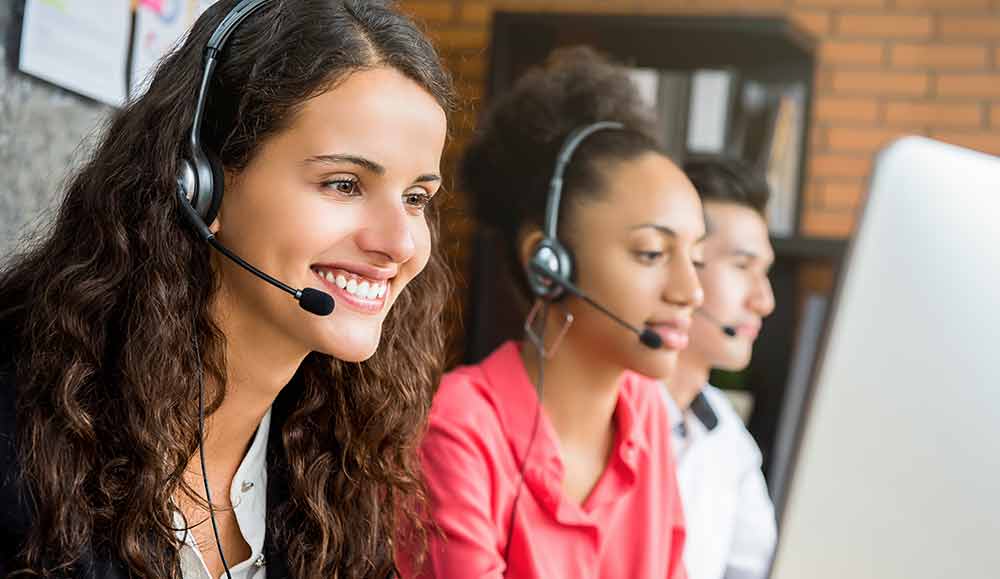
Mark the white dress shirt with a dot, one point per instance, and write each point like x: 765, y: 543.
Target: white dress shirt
x: 731, y: 530
x: 248, y: 494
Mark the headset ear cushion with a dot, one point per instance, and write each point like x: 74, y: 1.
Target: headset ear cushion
x: 218, y: 187
x: 553, y: 257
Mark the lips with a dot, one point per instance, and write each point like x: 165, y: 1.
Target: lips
x: 749, y: 330
x: 673, y: 333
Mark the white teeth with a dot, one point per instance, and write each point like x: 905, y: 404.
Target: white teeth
x: 364, y: 288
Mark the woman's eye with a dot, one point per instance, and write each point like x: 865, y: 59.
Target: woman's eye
x: 648, y: 256
x: 418, y: 199
x: 342, y: 186
x: 698, y: 263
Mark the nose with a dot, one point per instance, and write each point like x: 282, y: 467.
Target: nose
x: 761, y: 299
x: 683, y: 288
x: 388, y: 231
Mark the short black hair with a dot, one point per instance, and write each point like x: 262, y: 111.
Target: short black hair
x: 728, y: 180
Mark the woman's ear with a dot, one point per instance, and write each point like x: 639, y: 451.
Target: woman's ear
x: 229, y: 186
x: 216, y: 224
x: 529, y: 236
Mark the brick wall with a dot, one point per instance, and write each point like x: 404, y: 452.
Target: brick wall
x: 886, y: 68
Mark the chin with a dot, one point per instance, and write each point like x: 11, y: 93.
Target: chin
x: 659, y: 365
x: 349, y: 348
x: 733, y: 361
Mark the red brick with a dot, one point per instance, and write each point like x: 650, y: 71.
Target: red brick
x: 995, y: 116
x: 958, y: 57
x: 842, y: 3
x: 828, y: 223
x: 596, y: 6
x: 817, y: 140
x: 469, y: 68
x: 909, y: 114
x: 880, y: 83
x: 452, y: 38
x: 840, y: 194
x: 987, y: 142
x: 862, y: 140
x: 474, y: 12
x: 846, y: 109
x: 429, y: 10
x: 816, y: 22
x: 839, y: 165
x: 970, y: 27
x: 942, y: 4
x: 472, y: 91
x: 731, y: 5
x: 996, y: 56
x: 885, y: 25
x: 833, y: 52
x: 968, y: 85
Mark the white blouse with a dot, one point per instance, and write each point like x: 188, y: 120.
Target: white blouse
x: 731, y: 530
x: 248, y: 495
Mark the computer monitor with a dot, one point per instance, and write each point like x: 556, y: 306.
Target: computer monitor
x: 897, y: 468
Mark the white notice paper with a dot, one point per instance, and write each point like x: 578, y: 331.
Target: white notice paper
x: 159, y: 27
x: 81, y: 45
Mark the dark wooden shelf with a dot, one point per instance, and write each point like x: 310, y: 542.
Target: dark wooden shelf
x: 809, y: 247
x: 773, y: 48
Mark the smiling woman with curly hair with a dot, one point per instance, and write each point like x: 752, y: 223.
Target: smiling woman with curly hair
x: 328, y: 119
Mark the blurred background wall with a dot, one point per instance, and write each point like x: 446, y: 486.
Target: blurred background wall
x: 41, y: 129
x: 887, y: 67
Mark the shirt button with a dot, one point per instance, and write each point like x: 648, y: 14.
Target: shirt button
x: 246, y: 486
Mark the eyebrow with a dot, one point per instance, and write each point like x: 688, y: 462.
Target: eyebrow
x: 744, y: 253
x: 366, y: 164
x: 352, y: 159
x: 751, y: 255
x: 665, y: 230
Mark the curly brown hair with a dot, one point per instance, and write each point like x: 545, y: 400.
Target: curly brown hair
x: 106, y: 314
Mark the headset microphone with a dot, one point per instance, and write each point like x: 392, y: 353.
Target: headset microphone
x: 727, y: 330
x: 310, y: 299
x: 648, y: 337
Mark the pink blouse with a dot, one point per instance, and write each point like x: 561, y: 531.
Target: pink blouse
x: 630, y: 527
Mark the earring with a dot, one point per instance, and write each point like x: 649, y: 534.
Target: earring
x: 540, y: 310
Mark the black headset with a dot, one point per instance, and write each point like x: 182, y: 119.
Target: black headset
x: 200, y: 184
x: 549, y: 255
x: 200, y: 179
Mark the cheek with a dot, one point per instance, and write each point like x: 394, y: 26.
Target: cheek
x: 721, y: 286
x: 422, y: 248
x: 315, y: 227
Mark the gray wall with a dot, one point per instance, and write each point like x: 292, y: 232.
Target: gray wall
x: 41, y: 130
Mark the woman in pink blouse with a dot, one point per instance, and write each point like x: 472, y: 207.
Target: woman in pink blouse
x: 551, y: 457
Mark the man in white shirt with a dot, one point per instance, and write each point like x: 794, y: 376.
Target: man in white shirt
x: 731, y: 531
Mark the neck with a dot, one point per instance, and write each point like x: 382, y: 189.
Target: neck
x: 689, y: 377
x: 579, y: 394
x: 259, y: 362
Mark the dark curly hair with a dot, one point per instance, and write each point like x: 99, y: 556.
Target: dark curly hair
x: 106, y: 313
x: 509, y: 162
